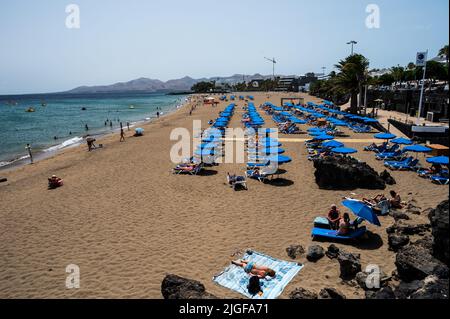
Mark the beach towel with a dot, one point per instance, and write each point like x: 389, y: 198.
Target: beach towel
x: 235, y: 278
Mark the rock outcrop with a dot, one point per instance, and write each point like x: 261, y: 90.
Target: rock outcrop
x: 349, y: 264
x: 295, y: 251
x: 439, y: 223
x: 175, y: 287
x: 301, y: 293
x: 346, y: 173
x: 315, y: 252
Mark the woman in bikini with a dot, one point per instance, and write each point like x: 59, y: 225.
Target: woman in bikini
x: 252, y: 269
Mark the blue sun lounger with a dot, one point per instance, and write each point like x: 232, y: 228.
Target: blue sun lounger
x: 332, y: 234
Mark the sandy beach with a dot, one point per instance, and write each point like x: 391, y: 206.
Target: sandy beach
x: 127, y: 221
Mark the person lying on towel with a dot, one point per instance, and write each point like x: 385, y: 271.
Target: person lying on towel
x: 55, y: 182
x: 252, y: 269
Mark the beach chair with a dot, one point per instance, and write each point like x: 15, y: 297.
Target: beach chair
x: 440, y: 179
x: 235, y: 181
x: 263, y: 174
x: 193, y: 169
x: 389, y: 155
x: 402, y: 162
x: 407, y: 166
x: 333, y: 234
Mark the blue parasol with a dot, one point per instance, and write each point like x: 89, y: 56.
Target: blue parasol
x: 324, y: 137
x: 344, y: 150
x: 362, y: 210
x: 442, y: 160
x: 401, y: 140
x: 417, y: 149
x: 385, y: 136
x: 280, y: 159
x: 332, y: 144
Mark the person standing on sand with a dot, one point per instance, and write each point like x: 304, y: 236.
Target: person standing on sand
x: 157, y: 114
x: 128, y: 125
x: 122, y: 135
x: 28, y: 148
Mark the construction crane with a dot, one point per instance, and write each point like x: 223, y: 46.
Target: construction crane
x: 273, y: 65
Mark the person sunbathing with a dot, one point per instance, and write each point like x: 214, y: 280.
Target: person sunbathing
x: 376, y: 200
x: 252, y: 269
x: 395, y: 201
x: 344, y: 225
x: 334, y: 216
x: 55, y: 182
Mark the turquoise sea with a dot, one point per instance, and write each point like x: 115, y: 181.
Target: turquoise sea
x: 59, y: 120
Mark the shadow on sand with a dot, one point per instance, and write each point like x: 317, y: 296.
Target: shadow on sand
x: 370, y: 241
x: 280, y: 182
x: 207, y: 172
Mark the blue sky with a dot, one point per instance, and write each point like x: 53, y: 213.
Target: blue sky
x: 123, y: 40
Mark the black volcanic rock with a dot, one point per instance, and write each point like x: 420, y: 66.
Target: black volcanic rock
x: 349, y: 264
x: 315, y: 252
x: 414, y: 262
x: 301, y: 293
x: 439, y: 219
x: 175, y: 287
x: 346, y: 173
x: 331, y: 293
x: 396, y: 241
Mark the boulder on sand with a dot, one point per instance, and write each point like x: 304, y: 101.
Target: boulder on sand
x: 397, y: 241
x: 331, y: 293
x: 349, y: 264
x: 295, y: 251
x: 315, y: 252
x: 175, y: 287
x: 439, y: 223
x: 301, y: 293
x: 346, y: 173
x: 414, y: 262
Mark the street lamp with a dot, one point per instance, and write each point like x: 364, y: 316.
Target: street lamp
x: 353, y: 42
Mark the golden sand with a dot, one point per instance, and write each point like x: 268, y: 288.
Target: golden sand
x: 126, y: 220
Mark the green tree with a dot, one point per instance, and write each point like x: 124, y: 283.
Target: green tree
x: 352, y: 76
x: 444, y: 52
x: 203, y: 87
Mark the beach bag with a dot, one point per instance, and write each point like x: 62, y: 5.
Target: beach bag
x: 254, y: 285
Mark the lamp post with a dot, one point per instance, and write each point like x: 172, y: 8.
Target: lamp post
x: 353, y: 42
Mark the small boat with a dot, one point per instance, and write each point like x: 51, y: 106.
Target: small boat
x: 83, y: 109
x: 131, y: 107
x: 43, y: 103
x: 30, y: 110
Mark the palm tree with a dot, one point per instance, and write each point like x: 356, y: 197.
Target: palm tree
x: 444, y: 52
x: 353, y: 74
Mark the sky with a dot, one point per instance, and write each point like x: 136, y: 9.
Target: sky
x: 123, y: 40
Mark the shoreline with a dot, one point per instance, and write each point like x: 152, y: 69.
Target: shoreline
x: 54, y: 150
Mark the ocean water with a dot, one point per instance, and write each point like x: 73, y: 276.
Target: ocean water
x: 62, y: 117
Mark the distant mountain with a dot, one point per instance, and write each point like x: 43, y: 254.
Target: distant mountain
x: 152, y: 85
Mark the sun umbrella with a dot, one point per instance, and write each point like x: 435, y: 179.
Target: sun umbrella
x: 442, y: 160
x: 332, y: 144
x: 324, y: 137
x: 401, y: 140
x: 344, y: 150
x: 417, y: 149
x: 384, y: 136
x: 280, y: 159
x: 362, y: 210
